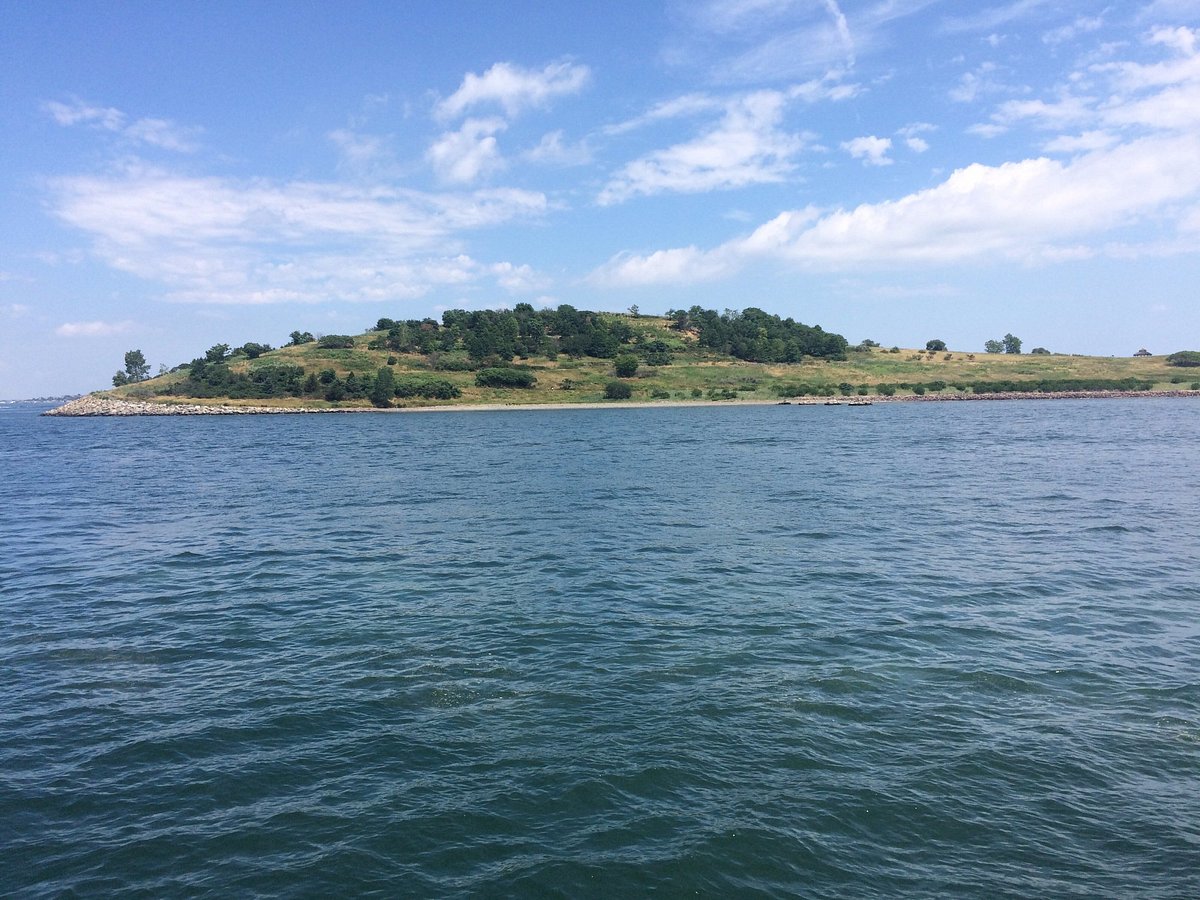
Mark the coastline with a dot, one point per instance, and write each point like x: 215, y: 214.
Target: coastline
x: 95, y: 406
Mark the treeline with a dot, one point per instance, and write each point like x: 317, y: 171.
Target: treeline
x: 757, y: 336
x: 502, y: 335
x: 751, y: 335
x: 1041, y: 386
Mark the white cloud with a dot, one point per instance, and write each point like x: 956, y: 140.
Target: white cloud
x: 518, y: 279
x: 460, y: 157
x: 92, y: 329
x: 684, y: 265
x: 15, y: 310
x: 1036, y: 209
x: 993, y: 17
x: 514, y: 88
x: 916, y: 144
x: 1085, y: 142
x: 745, y: 147
x: 161, y: 133
x: 217, y: 240
x: 870, y: 149
x: 551, y: 149
x: 1081, y: 25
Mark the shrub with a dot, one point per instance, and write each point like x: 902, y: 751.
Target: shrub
x: 625, y: 365
x: 936, y: 386
x: 935, y: 345
x: 846, y: 388
x: 617, y: 390
x: 1194, y: 386
x: 1185, y: 358
x: 696, y: 392
x: 885, y: 390
x: 431, y: 388
x: 919, y: 390
x: 1039, y: 351
x: 660, y: 394
x: 336, y: 342
x: 505, y: 377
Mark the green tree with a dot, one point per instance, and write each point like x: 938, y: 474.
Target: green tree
x: 300, y: 337
x: 217, y: 353
x: 136, y: 367
x: 1040, y: 351
x: 1184, y: 358
x: 1012, y: 344
x: 935, y: 346
x: 626, y: 365
x: 383, y: 389
x: 993, y: 347
x: 617, y: 390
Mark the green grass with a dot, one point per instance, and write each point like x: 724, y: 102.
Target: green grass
x: 693, y: 369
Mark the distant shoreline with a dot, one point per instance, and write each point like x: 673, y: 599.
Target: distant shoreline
x: 93, y: 406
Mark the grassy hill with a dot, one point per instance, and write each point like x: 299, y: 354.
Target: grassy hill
x: 693, y: 373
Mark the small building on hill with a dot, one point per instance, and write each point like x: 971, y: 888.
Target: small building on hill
x: 1143, y: 352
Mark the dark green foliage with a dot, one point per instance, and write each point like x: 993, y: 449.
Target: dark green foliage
x: 136, y: 367
x: 756, y: 336
x: 217, y: 353
x: 120, y: 379
x: 1194, y: 386
x: 311, y: 385
x: 935, y: 346
x: 846, y: 388
x: 885, y: 390
x: 1055, y: 385
x: 625, y: 365
x: 660, y: 394
x: 336, y: 342
x: 721, y: 394
x: 919, y: 390
x: 936, y: 386
x: 617, y: 390
x: 655, y: 353
x: 328, y: 376
x: 336, y: 392
x: 253, y: 351
x: 443, y: 363
x: 431, y: 388
x: 383, y: 388
x: 696, y: 392
x: 993, y: 346
x: 505, y: 377
x: 1185, y: 358
x: 1012, y: 344
x: 1039, y: 351
x: 296, y: 338
x: 215, y: 379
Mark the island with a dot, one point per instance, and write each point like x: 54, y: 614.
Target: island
x: 570, y: 357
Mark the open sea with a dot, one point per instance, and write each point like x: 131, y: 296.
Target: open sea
x: 909, y: 650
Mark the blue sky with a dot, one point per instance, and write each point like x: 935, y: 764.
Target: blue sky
x: 175, y: 175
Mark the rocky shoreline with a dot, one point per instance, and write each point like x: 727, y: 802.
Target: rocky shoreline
x: 93, y: 405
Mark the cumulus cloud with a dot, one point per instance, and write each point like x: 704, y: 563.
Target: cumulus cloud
x: 514, y: 88
x: 870, y: 149
x: 161, y: 133
x: 92, y: 329
x: 218, y: 240
x: 1036, y: 209
x: 747, y: 146
x: 460, y: 157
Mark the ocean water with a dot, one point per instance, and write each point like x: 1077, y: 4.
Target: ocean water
x: 915, y: 649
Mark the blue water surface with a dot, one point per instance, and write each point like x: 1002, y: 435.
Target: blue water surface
x: 912, y: 649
